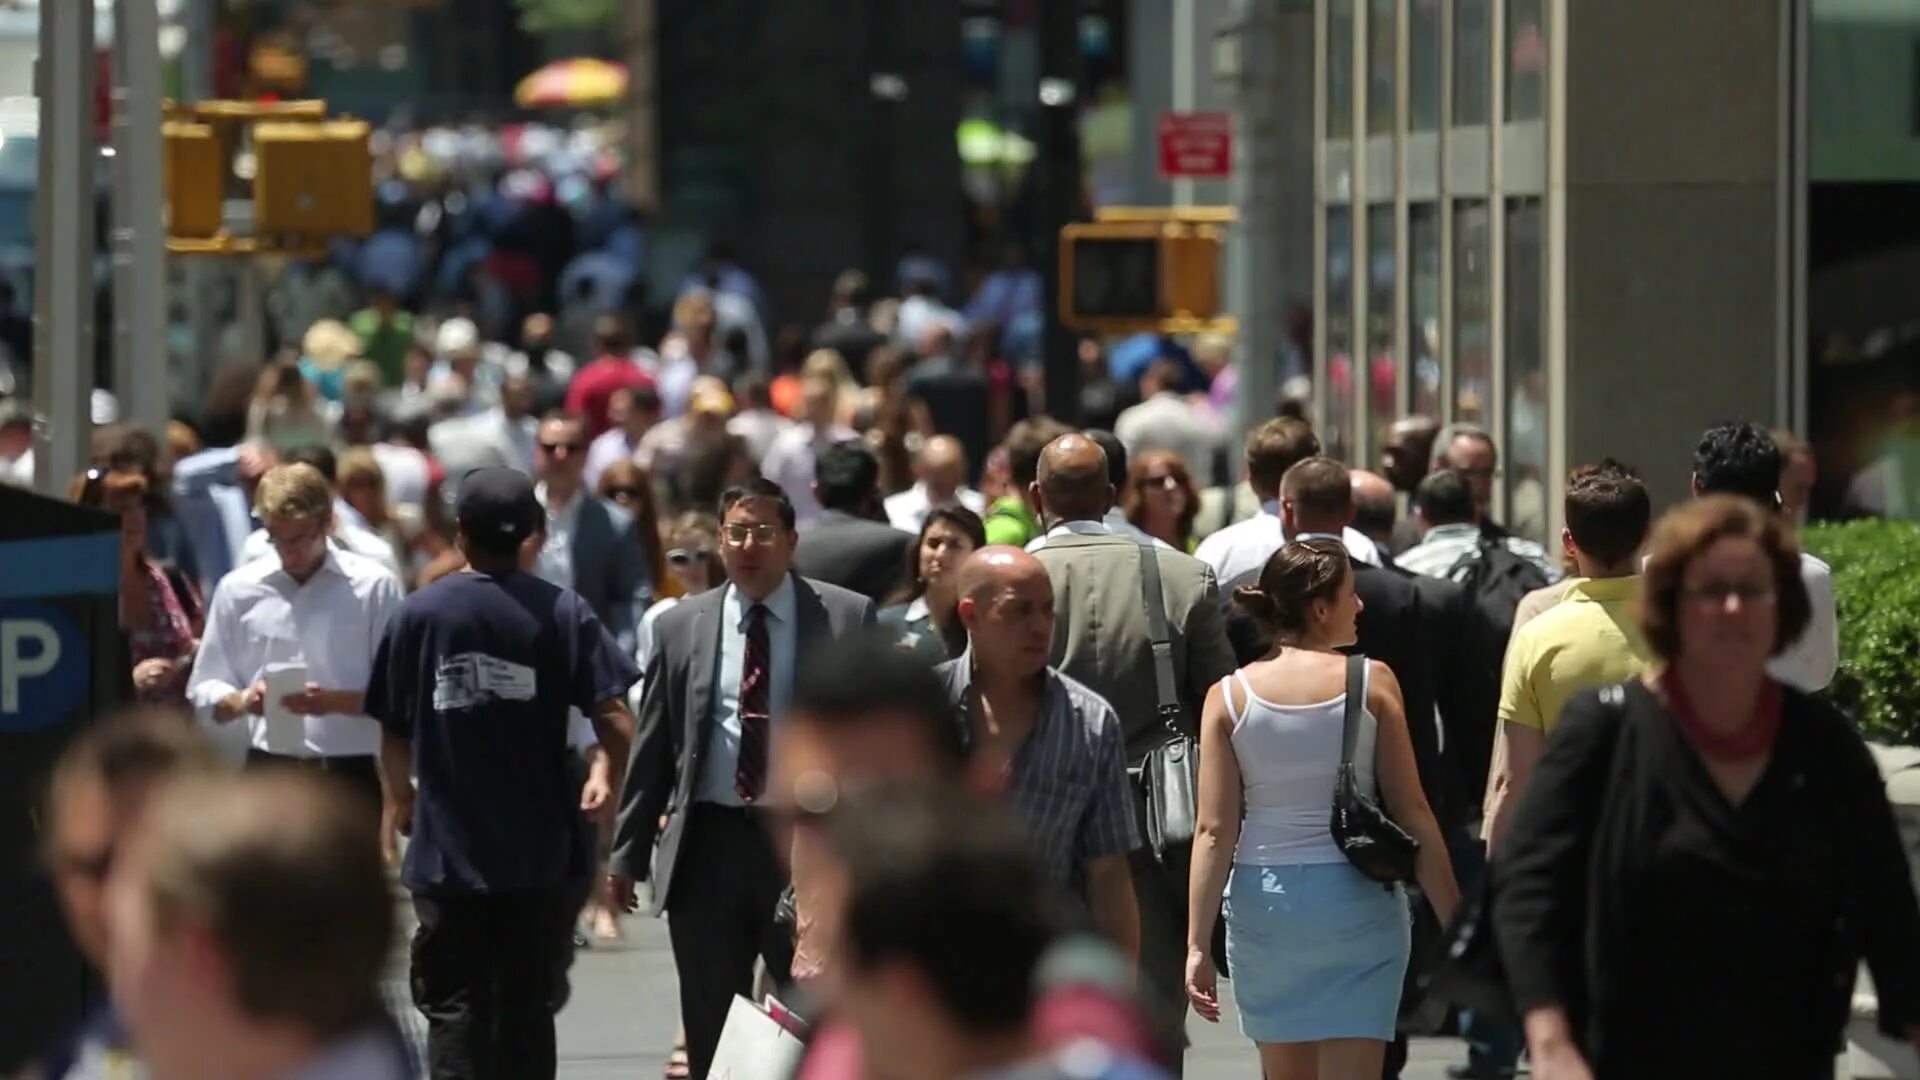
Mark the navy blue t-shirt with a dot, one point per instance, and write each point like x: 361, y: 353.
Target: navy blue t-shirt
x: 479, y: 672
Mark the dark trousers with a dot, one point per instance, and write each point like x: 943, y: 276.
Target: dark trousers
x: 1160, y: 892
x: 726, y: 884
x: 360, y: 774
x: 483, y: 976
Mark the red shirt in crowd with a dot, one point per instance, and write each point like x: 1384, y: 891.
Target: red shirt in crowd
x: 593, y: 386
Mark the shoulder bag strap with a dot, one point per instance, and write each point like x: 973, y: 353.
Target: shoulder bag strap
x: 1356, y: 701
x: 1166, y: 693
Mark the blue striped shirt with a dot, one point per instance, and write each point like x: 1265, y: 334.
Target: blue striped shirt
x: 1069, y: 778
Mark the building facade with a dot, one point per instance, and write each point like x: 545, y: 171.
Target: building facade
x: 1579, y: 225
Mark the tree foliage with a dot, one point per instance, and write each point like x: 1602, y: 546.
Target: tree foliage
x: 544, y: 16
x: 1876, y: 588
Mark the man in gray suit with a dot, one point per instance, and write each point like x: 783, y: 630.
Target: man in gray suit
x: 590, y: 546
x: 850, y: 544
x: 1101, y: 639
x: 722, y: 670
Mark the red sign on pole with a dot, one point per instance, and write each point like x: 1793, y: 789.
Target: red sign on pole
x: 1196, y: 144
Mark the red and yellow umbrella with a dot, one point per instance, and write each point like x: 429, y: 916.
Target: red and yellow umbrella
x: 572, y: 84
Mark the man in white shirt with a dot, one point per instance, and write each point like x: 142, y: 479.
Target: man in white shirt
x: 940, y: 474
x: 633, y: 410
x: 1166, y: 420
x: 1741, y: 459
x: 1271, y: 449
x: 306, y: 621
x: 347, y: 529
x: 789, y: 461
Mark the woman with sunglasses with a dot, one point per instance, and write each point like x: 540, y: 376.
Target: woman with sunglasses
x: 155, y: 617
x: 924, y: 609
x: 693, y: 562
x: 1160, y: 499
x: 628, y: 486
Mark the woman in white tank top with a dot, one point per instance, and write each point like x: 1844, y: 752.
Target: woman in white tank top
x: 1318, y: 950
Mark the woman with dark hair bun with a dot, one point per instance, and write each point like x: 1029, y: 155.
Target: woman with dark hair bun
x: 1318, y: 950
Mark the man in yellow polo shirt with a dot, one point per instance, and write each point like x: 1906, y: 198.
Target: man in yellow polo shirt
x: 1590, y: 638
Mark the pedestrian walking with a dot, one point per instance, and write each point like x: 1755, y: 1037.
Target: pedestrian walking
x: 590, y: 547
x: 850, y: 544
x: 717, y: 684
x: 96, y: 800
x: 925, y: 607
x: 1705, y: 854
x: 1058, y: 744
x: 1318, y: 950
x: 289, y: 641
x: 472, y: 684
x: 939, y: 480
x: 249, y: 921
x: 1104, y: 638
x: 1244, y: 547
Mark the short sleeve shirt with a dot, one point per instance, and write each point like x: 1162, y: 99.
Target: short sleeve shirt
x: 479, y: 672
x: 1589, y: 639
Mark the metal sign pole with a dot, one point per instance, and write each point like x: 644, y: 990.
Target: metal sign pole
x: 63, y: 278
x: 139, y: 245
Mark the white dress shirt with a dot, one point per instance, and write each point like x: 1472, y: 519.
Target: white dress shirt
x: 790, y: 460
x: 556, y: 555
x: 346, y: 537
x: 1247, y: 546
x: 259, y: 616
x: 608, y: 448
x: 1114, y: 524
x: 1809, y: 663
x: 723, y: 746
x: 908, y: 510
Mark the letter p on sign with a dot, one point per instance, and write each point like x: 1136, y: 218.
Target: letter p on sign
x: 29, y: 648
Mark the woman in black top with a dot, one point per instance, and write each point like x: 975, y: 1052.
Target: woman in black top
x: 1705, y: 856
x: 922, y: 609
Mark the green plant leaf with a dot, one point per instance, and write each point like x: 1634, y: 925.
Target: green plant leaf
x: 1876, y: 589
x: 543, y: 16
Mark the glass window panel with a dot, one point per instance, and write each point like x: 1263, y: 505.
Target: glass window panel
x: 1423, y: 65
x: 1381, y: 373
x: 1526, y: 59
x: 1472, y: 312
x: 1472, y: 72
x: 1340, y: 31
x: 1423, y: 309
x: 1383, y: 61
x: 1525, y: 453
x: 1339, y: 392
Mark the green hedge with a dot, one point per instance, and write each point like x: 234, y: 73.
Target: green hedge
x: 1876, y: 587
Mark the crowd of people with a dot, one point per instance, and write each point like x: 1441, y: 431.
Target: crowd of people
x: 883, y: 684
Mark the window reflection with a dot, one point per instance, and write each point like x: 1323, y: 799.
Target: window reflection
x: 1339, y: 394
x: 1526, y: 405
x: 1382, y: 62
x: 1381, y: 374
x: 1340, y: 69
x: 1423, y: 65
x: 1472, y: 312
x: 1526, y: 59
x: 1423, y: 308
x: 1472, y: 73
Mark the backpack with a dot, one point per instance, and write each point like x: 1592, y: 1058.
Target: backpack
x: 1497, y: 580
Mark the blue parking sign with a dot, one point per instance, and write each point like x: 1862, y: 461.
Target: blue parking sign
x: 44, y: 666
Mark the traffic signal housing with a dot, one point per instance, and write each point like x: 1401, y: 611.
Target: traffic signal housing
x: 193, y: 165
x: 1120, y: 277
x: 312, y: 179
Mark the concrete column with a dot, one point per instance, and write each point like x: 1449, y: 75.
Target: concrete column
x: 63, y: 361
x: 1151, y: 66
x: 139, y: 246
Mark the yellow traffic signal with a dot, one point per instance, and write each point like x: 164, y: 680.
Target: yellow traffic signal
x: 1128, y: 276
x: 192, y: 175
x: 312, y: 179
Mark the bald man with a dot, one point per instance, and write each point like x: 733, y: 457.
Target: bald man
x: 1058, y: 744
x: 1101, y: 638
x: 1374, y: 507
x: 940, y: 475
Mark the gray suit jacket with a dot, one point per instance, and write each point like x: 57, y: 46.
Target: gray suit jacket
x: 676, y: 719
x: 869, y: 557
x: 1100, y: 629
x: 609, y: 571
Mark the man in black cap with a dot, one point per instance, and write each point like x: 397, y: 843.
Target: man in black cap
x: 471, y: 685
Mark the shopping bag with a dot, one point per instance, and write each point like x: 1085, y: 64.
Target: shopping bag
x: 754, y: 1046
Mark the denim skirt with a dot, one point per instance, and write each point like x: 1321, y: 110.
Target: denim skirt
x: 1317, y: 951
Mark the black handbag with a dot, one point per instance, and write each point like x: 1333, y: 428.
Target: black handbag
x: 1170, y: 776
x: 1369, y: 838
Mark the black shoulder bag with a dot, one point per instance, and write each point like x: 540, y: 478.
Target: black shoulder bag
x: 1371, y: 841
x: 1170, y: 776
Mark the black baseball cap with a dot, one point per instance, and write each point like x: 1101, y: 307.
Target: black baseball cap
x: 497, y: 506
